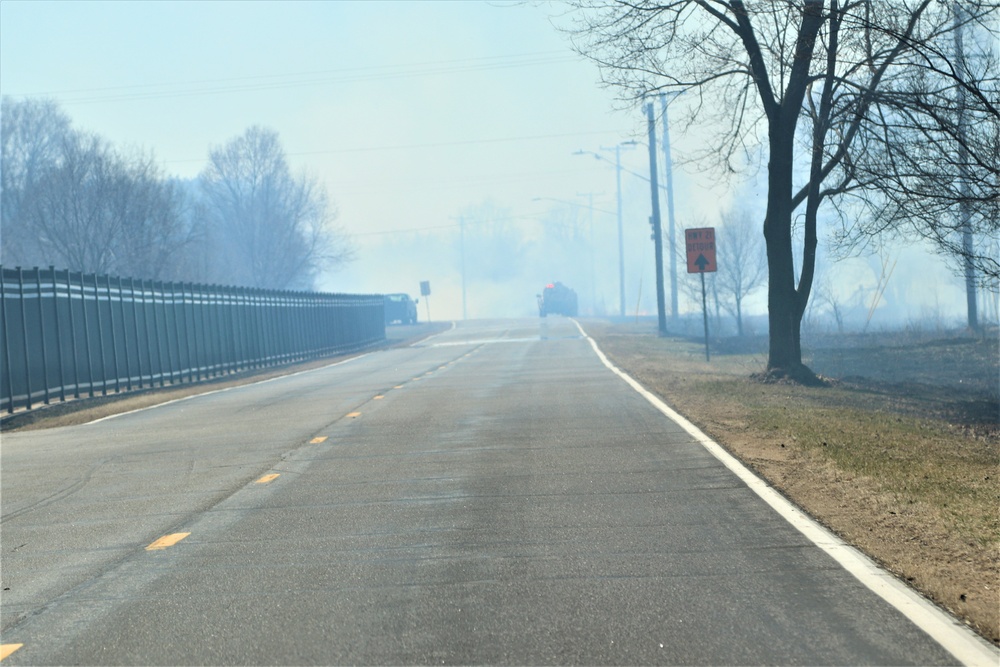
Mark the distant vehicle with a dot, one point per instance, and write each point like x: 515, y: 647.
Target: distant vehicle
x: 557, y: 299
x: 400, y: 308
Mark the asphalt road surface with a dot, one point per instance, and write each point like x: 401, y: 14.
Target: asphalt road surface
x: 493, y: 494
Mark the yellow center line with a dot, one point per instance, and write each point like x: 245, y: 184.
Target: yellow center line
x: 268, y: 478
x: 353, y: 414
x: 379, y: 397
x: 7, y: 649
x: 318, y: 439
x: 398, y: 386
x: 167, y: 541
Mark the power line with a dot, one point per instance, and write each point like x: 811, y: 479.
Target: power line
x: 628, y: 171
x: 444, y: 144
x: 322, y: 77
x: 472, y: 222
x: 438, y: 144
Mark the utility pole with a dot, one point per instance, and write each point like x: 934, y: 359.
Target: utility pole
x: 593, y: 261
x: 672, y: 230
x: 461, y: 227
x: 965, y: 223
x: 655, y: 220
x: 621, y: 243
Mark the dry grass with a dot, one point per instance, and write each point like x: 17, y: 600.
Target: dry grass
x: 901, y: 460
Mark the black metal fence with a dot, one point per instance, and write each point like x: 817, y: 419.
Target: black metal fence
x: 65, y: 335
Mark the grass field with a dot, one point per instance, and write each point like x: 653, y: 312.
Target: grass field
x: 899, y: 454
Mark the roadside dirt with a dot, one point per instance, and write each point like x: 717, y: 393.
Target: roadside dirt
x: 900, y: 456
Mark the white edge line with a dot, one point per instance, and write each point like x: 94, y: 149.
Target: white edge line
x: 954, y: 636
x: 219, y: 391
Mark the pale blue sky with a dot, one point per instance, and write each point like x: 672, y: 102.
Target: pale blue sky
x: 408, y: 112
x: 370, y: 96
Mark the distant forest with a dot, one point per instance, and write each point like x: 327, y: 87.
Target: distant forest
x: 72, y: 200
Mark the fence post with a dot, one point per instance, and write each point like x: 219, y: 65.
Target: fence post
x: 86, y: 335
x: 205, y: 352
x: 135, y: 326
x: 263, y: 304
x: 175, y: 317
x: 196, y: 345
x: 182, y: 315
x: 41, y: 334
x: 121, y: 310
x: 24, y: 334
x: 220, y: 353
x: 234, y: 339
x: 72, y: 336
x: 100, y: 339
x: 114, y: 337
x: 6, y: 341
x: 277, y: 344
x: 156, y: 333
x: 246, y: 333
x: 237, y: 319
x: 145, y: 325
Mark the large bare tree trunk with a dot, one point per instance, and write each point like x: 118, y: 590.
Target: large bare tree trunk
x: 784, y: 315
x: 783, y: 300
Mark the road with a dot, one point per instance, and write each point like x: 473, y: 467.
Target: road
x: 493, y: 494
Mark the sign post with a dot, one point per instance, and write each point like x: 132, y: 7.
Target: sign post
x: 700, y: 244
x: 425, y: 291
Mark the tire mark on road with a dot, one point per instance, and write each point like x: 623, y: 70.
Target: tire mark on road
x: 58, y: 495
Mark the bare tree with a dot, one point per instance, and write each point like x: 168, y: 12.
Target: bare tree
x: 944, y: 185
x: 32, y: 133
x: 70, y: 199
x: 268, y: 228
x: 99, y: 211
x: 802, y: 77
x: 70, y: 206
x: 742, y: 262
x: 153, y: 237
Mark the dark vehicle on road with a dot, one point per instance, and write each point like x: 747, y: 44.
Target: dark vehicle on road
x: 400, y: 308
x: 557, y: 299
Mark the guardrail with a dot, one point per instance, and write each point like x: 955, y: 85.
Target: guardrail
x: 66, y: 334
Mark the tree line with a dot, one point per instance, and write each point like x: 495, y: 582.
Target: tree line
x: 71, y: 199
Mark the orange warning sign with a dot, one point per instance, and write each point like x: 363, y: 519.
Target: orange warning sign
x: 700, y: 249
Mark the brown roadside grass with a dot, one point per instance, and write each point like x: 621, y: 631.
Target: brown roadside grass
x: 899, y: 454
